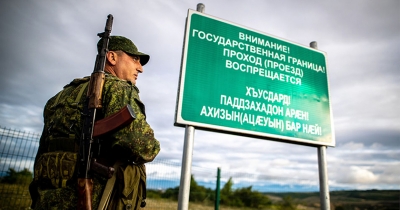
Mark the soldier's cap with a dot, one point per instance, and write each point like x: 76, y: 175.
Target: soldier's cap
x: 126, y: 45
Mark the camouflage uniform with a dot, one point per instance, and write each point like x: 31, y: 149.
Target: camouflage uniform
x: 54, y: 185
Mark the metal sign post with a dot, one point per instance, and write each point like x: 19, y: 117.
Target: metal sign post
x: 323, y: 179
x: 322, y: 168
x: 186, y: 170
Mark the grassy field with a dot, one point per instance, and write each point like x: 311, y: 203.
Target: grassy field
x: 14, y: 197
x: 157, y: 204
x: 162, y: 204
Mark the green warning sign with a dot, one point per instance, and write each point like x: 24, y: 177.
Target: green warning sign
x: 244, y: 82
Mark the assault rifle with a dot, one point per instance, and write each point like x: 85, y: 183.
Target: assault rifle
x: 89, y: 147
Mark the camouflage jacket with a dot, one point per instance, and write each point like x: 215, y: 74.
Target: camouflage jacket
x: 62, y: 130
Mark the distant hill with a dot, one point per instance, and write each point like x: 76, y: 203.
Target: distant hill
x: 348, y: 199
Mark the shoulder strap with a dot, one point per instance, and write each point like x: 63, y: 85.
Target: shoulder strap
x: 79, y: 96
x: 58, y: 98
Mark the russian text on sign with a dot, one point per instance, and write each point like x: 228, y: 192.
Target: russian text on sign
x: 264, y: 42
x: 262, y: 72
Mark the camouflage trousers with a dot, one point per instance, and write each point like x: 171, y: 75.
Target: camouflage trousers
x: 129, y: 192
x: 65, y: 198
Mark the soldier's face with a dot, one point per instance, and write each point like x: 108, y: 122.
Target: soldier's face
x: 128, y: 67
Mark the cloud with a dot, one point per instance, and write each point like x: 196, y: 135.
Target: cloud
x: 387, y: 138
x: 27, y: 117
x: 353, y: 146
x: 358, y: 175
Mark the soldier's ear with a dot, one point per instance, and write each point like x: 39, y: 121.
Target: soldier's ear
x: 112, y: 57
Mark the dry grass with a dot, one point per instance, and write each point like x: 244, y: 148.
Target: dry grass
x: 164, y: 204
x: 13, y: 196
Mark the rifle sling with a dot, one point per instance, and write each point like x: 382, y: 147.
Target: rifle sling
x: 105, y: 198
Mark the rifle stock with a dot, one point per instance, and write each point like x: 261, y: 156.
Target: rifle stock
x: 85, y: 192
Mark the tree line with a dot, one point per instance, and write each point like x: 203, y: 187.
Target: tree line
x: 240, y: 197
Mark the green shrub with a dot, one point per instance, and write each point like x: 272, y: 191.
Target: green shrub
x: 13, y: 177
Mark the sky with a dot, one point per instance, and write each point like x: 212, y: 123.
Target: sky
x: 45, y: 44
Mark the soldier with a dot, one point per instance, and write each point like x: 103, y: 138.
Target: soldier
x: 127, y: 149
